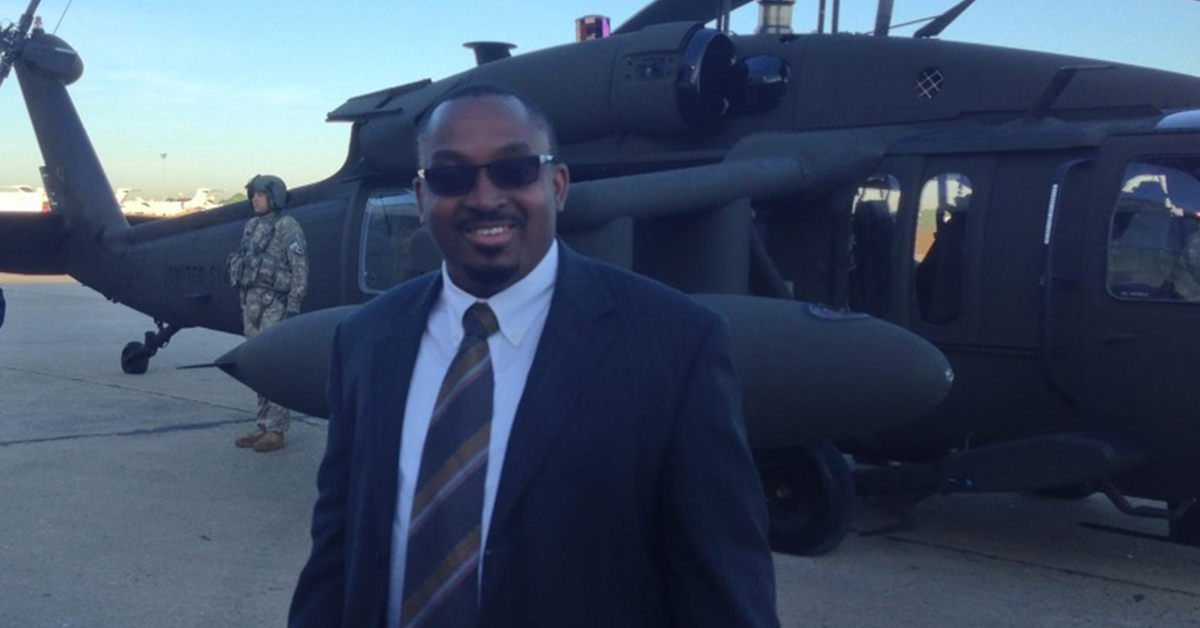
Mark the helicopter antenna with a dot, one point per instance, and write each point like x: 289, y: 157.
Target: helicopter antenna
x: 939, y: 23
x: 1055, y: 88
x: 911, y: 22
x: 60, y: 18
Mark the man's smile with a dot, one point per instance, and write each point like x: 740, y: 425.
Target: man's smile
x: 488, y: 231
x: 491, y: 232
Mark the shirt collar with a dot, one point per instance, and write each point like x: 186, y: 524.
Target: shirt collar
x: 516, y: 307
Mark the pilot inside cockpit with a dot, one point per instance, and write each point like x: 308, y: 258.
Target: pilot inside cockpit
x: 939, y: 276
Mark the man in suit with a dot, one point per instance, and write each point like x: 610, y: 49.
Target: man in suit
x: 617, y: 488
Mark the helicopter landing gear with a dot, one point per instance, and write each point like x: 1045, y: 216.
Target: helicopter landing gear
x: 810, y: 497
x: 135, y: 357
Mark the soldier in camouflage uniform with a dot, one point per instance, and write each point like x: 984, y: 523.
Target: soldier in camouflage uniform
x: 270, y: 271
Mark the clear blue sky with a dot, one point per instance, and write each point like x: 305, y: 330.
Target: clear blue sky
x: 228, y: 89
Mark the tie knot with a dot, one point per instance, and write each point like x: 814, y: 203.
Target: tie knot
x: 479, y: 321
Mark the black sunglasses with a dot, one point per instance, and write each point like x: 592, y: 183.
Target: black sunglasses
x: 510, y: 173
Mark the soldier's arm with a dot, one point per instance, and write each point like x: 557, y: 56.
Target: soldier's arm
x: 237, y: 258
x: 297, y: 254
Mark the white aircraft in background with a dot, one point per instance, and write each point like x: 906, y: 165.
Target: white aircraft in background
x: 201, y: 200
x: 23, y: 198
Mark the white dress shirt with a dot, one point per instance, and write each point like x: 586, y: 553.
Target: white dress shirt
x: 521, y: 310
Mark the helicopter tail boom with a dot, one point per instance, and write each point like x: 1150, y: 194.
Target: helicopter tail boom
x: 77, y: 187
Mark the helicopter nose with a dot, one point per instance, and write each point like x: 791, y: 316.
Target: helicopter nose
x: 289, y: 362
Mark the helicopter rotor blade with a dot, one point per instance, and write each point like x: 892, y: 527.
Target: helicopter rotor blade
x: 939, y: 24
x: 12, y: 39
x: 663, y: 11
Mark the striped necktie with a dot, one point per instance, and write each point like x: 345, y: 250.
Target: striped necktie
x: 441, y: 577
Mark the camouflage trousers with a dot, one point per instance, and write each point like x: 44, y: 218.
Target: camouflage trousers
x: 262, y: 308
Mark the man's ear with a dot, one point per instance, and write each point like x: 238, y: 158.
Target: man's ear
x: 419, y: 192
x: 562, y: 181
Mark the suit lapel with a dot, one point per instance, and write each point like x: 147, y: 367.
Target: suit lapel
x: 393, y: 356
x: 574, y: 339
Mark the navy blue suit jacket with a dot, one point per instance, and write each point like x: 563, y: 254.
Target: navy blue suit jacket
x: 628, y: 496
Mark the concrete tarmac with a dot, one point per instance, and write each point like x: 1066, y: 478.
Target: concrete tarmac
x: 123, y: 503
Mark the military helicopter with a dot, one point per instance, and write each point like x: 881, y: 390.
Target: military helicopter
x: 989, y: 201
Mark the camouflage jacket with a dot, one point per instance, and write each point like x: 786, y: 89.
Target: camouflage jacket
x: 273, y: 255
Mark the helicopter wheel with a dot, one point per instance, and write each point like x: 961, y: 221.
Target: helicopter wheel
x: 1185, y: 527
x: 810, y: 497
x: 134, y: 359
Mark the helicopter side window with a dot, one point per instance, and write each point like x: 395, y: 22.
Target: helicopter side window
x: 389, y: 222
x: 939, y: 247
x: 1154, y: 238
x: 872, y: 231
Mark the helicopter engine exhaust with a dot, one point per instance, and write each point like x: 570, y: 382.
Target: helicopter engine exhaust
x: 775, y: 17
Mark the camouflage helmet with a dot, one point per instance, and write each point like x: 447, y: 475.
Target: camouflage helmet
x: 274, y: 187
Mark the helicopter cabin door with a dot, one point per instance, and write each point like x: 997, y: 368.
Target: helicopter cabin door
x: 1126, y: 340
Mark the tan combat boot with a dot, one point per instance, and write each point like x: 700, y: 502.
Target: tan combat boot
x: 249, y: 440
x: 271, y: 441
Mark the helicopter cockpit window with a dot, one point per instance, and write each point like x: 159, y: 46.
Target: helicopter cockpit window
x: 872, y: 231
x: 1154, y: 238
x: 389, y: 222
x: 940, y: 246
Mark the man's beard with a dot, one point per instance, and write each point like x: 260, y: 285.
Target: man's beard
x: 494, y: 277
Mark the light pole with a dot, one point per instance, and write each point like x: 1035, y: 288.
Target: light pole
x: 164, y: 175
